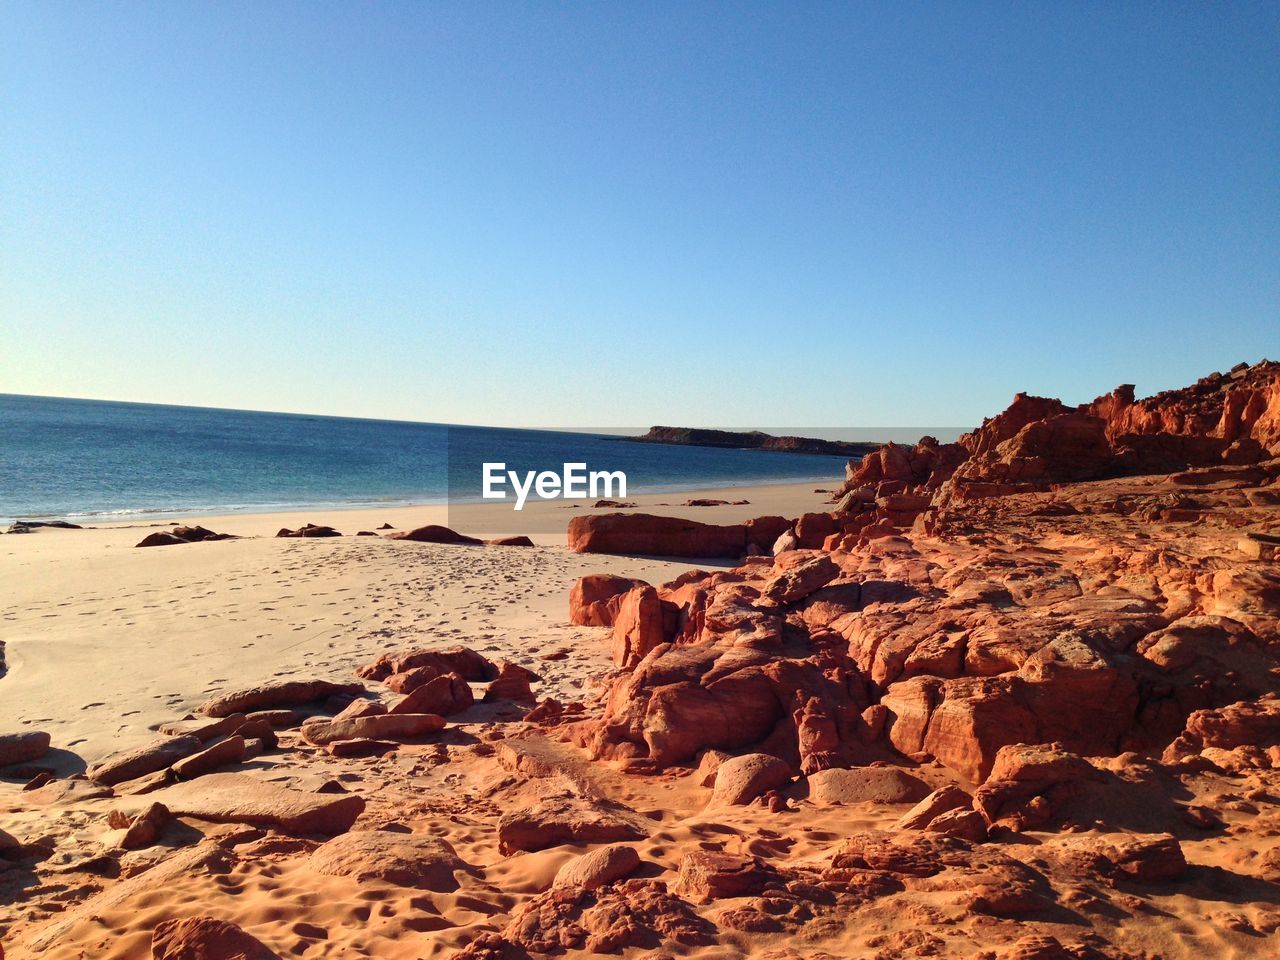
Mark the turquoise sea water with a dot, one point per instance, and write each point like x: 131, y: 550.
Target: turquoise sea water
x: 96, y: 459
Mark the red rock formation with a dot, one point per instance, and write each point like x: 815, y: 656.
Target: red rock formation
x: 595, y: 598
x: 182, y: 535
x: 511, y: 683
x: 644, y: 534
x: 948, y: 645
x: 1237, y: 737
x: 308, y: 530
x: 456, y: 659
x: 928, y: 463
x: 446, y: 695
x: 736, y: 669
x: 387, y: 726
x: 644, y: 621
x: 206, y: 938
x: 632, y: 913
x: 282, y: 693
x: 741, y: 780
x: 1232, y: 418
x: 569, y: 819
x: 406, y: 860
x: 512, y: 541
x: 23, y: 747
x: 434, y: 533
x: 599, y: 868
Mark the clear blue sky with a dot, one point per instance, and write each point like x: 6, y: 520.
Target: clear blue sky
x: 549, y: 214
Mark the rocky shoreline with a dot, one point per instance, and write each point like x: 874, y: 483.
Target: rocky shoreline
x: 1013, y: 697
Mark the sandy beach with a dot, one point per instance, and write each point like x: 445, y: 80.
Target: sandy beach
x: 104, y: 641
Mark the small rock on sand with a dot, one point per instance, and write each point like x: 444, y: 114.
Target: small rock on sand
x: 23, y: 747
x: 268, y: 696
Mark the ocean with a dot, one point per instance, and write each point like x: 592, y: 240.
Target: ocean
x: 91, y: 459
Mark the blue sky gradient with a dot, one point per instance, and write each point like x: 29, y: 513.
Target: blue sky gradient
x: 595, y: 214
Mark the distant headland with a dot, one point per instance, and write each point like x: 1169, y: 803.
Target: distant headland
x: 753, y: 440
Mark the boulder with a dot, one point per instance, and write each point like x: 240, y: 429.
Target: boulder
x: 159, y: 539
x: 741, y: 779
x: 240, y: 798
x: 182, y: 535
x: 1147, y: 859
x: 275, y: 694
x: 150, y: 757
x: 433, y: 533
x: 940, y: 801
x: 258, y: 730
x: 456, y: 659
x: 598, y: 868
x: 445, y: 695
x: 726, y: 684
x: 964, y: 721
x: 630, y: 915
x: 1259, y: 546
x: 962, y: 824
x: 643, y: 534
x: 1238, y: 737
x: 406, y: 681
x: 813, y: 528
x: 402, y: 859
x: 568, y: 819
x: 786, y: 542
x: 706, y: 876
x: 975, y: 878
x: 642, y: 622
x: 594, y: 599
x: 140, y: 830
x: 230, y: 750
x: 204, y: 729
x: 511, y: 683
x: 865, y: 785
x: 515, y: 541
x: 319, y: 731
x: 1025, y: 782
x: 23, y: 747
x: 365, y: 708
x: 763, y: 532
x: 1143, y: 858
x: 308, y: 530
x: 793, y: 584
x: 360, y: 747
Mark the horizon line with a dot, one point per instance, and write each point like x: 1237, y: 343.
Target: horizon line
x: 608, y: 431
